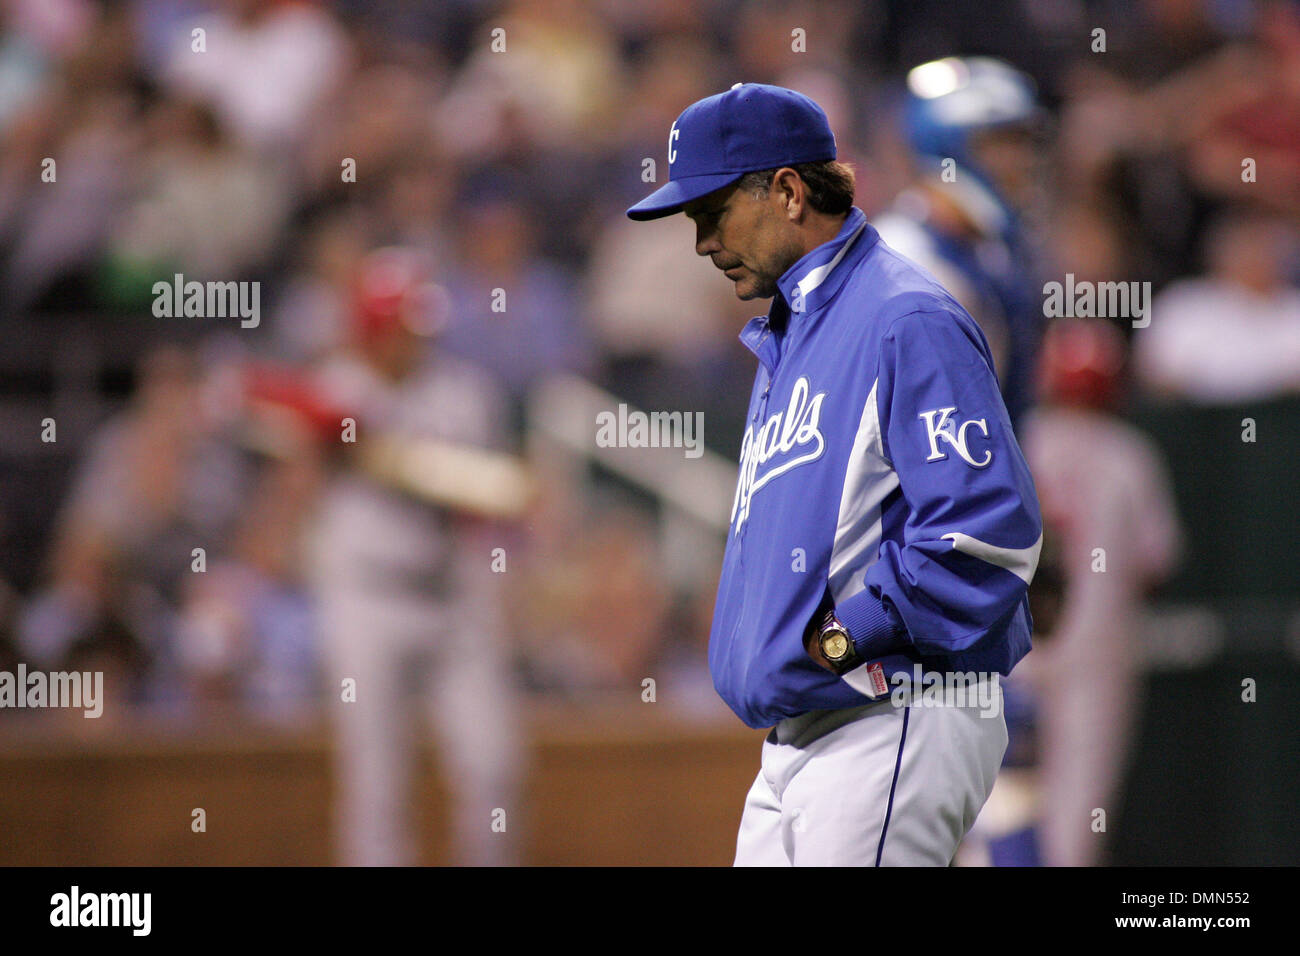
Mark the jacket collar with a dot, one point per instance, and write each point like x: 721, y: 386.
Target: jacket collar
x: 808, y: 284
x: 811, y: 281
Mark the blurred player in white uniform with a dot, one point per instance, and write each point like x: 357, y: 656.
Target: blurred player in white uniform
x: 409, y: 605
x: 1105, y: 498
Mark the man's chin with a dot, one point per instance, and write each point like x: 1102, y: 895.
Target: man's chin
x: 749, y: 287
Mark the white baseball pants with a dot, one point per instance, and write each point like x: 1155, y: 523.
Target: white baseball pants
x: 876, y: 785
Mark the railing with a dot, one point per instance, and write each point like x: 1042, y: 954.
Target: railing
x: 694, y: 494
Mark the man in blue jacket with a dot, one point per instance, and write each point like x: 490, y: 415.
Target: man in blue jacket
x: 884, y: 528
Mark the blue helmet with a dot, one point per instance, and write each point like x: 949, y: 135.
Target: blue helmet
x: 950, y: 99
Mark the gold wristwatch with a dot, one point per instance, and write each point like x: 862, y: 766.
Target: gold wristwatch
x: 836, y: 644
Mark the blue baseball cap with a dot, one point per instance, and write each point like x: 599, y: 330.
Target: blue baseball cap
x: 720, y: 138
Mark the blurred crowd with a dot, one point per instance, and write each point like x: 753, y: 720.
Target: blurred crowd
x: 495, y: 145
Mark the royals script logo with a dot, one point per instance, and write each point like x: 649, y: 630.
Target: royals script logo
x: 788, y: 439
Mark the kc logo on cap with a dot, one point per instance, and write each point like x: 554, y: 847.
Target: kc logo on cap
x: 719, y: 139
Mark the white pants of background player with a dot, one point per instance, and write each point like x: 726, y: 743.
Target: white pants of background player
x: 417, y: 662
x: 438, y: 670
x: 877, y: 785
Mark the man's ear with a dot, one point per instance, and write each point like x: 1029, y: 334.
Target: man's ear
x: 789, y: 189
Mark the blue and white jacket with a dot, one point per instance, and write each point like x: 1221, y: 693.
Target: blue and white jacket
x: 878, y: 464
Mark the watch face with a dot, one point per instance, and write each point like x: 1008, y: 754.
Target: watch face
x: 835, y: 645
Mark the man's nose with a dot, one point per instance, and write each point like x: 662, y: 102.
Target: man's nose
x: 706, y: 240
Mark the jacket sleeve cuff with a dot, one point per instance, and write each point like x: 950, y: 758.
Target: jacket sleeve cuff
x: 868, y: 622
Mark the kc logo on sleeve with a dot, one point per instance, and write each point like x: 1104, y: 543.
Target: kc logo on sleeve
x: 947, y: 429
